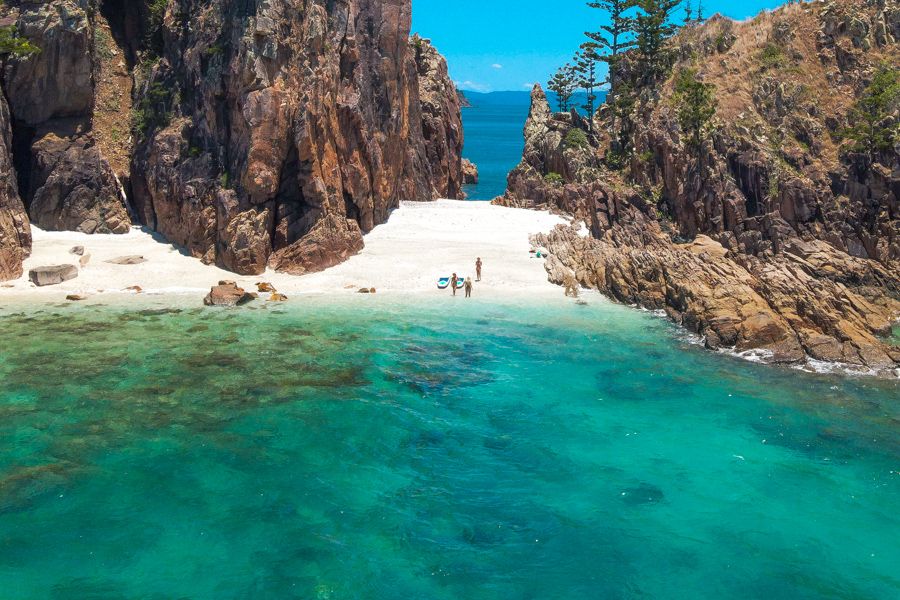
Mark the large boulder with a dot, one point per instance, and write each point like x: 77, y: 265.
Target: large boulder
x: 227, y: 293
x: 52, y: 275
x: 73, y: 187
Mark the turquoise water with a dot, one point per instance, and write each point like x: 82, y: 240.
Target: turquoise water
x: 376, y: 450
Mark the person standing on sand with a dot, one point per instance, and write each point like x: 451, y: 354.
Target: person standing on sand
x: 478, y: 269
x: 453, y: 281
x: 468, y: 286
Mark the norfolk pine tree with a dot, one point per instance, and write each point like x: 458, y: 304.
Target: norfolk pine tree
x: 613, y: 38
x: 653, y: 26
x: 586, y: 67
x: 563, y: 85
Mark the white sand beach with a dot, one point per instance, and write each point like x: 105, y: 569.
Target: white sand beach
x: 420, y: 243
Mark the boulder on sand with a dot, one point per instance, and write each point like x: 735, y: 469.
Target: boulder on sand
x: 276, y: 297
x: 127, y: 260
x: 262, y: 286
x: 227, y: 293
x: 77, y: 250
x: 52, y: 275
x: 76, y: 297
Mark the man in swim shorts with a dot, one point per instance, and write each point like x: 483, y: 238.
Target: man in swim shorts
x: 468, y: 287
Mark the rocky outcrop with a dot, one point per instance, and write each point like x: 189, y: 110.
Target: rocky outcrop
x: 246, y: 132
x: 73, y: 187
x: 65, y: 182
x: 769, y: 236
x: 470, y: 172
x: 15, y: 232
x: 284, y: 132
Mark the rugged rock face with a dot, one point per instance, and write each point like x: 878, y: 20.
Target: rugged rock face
x: 769, y: 236
x: 15, y: 233
x: 251, y: 133
x: 282, y: 133
x: 65, y: 183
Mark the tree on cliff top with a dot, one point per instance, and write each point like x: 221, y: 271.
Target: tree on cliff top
x: 696, y: 102
x: 873, y: 119
x: 586, y: 68
x: 563, y: 84
x: 614, y: 38
x: 654, y: 26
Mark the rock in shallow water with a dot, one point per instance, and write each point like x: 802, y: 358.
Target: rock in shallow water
x: 227, y: 293
x: 52, y: 275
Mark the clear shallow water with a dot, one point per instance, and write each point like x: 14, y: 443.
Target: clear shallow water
x: 370, y: 450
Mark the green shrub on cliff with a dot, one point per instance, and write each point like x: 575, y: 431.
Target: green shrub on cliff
x: 874, y: 126
x: 12, y: 44
x: 554, y: 179
x: 575, y: 138
x: 152, y: 111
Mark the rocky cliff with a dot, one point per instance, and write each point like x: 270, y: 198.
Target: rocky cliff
x: 15, y: 233
x: 773, y: 234
x: 253, y: 133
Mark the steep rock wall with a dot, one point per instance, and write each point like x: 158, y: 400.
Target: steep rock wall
x: 281, y: 131
x: 253, y: 133
x: 15, y: 233
x: 65, y: 181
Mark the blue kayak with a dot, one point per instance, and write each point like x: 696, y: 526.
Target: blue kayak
x: 444, y: 282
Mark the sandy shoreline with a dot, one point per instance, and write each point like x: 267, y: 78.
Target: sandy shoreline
x: 419, y: 243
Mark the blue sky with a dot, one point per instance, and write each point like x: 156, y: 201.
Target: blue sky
x: 494, y: 45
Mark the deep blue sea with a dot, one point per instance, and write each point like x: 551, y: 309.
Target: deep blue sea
x: 494, y: 138
x: 379, y: 448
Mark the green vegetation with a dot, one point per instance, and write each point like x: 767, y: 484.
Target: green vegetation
x: 12, y: 44
x: 874, y: 126
x: 613, y: 38
x: 563, y: 83
x: 214, y: 50
x: 772, y: 56
x: 653, y: 26
x: 152, y: 112
x: 576, y: 138
x: 554, y: 179
x: 586, y: 69
x: 646, y: 30
x: 156, y: 13
x: 696, y: 103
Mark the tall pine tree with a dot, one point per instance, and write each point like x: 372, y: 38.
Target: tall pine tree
x: 654, y: 26
x: 586, y: 66
x: 563, y: 84
x: 614, y: 38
